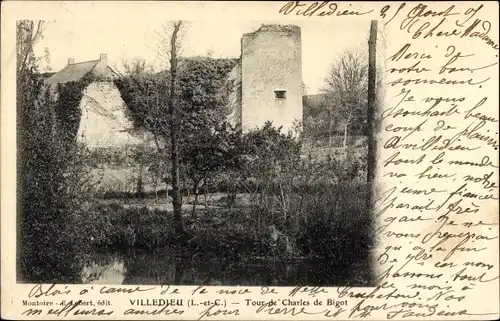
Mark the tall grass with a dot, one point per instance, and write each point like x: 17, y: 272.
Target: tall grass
x: 333, y: 226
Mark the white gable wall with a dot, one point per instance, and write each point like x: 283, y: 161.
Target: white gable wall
x: 103, y: 123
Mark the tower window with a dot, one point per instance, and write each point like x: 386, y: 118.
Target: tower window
x: 280, y: 94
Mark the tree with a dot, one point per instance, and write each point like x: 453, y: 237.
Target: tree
x: 28, y: 33
x: 48, y: 187
x: 174, y: 131
x: 189, y: 119
x: 201, y: 94
x: 211, y: 156
x: 46, y: 60
x: 204, y: 93
x: 318, y: 118
x: 143, y: 91
x: 346, y: 85
x: 273, y: 158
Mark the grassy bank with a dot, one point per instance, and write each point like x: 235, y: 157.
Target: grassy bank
x: 331, y: 224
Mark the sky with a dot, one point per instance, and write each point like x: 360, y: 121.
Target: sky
x: 322, y: 42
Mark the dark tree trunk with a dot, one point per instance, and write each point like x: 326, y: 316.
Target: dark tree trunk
x: 174, y: 127
x: 140, y: 183
x: 205, y: 191
x: 193, y: 213
x: 371, y: 110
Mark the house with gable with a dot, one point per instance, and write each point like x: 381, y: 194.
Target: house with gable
x: 103, y: 123
x: 104, y: 128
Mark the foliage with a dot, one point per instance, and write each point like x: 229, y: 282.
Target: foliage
x: 272, y: 161
x: 334, y: 228
x: 348, y: 84
x: 112, y: 225
x: 53, y: 180
x: 28, y: 32
x: 202, y: 91
x: 341, y: 108
x: 67, y: 98
x: 202, y: 94
x: 145, y: 94
x: 39, y: 210
x: 338, y: 227
x: 49, y: 190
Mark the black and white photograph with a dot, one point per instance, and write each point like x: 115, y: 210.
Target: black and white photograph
x: 194, y: 152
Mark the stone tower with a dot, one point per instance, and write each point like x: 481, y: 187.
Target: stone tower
x: 271, y: 77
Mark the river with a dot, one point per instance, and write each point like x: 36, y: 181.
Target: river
x: 166, y: 267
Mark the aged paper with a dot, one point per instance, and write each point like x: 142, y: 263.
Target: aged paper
x: 433, y: 151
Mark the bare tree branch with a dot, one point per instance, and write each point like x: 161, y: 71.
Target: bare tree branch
x: 162, y: 38
x: 347, y: 84
x: 28, y: 33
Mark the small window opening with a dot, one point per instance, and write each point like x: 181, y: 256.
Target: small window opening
x: 280, y: 94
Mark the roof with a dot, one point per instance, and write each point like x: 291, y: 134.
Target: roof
x: 46, y: 75
x: 74, y: 72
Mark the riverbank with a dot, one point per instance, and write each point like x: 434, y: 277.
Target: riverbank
x: 334, y: 230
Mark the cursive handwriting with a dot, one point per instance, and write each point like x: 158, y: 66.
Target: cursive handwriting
x: 320, y: 9
x: 40, y: 290
x: 438, y: 161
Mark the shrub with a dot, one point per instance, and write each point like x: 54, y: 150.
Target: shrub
x: 338, y: 228
x: 112, y: 225
x: 50, y: 188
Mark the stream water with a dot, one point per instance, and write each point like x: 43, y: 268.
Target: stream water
x: 165, y: 267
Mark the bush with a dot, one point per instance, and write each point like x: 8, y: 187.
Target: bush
x: 338, y: 229
x: 50, y: 188
x: 222, y: 233
x: 112, y: 225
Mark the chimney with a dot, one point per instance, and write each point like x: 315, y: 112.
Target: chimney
x: 104, y: 58
x: 71, y: 61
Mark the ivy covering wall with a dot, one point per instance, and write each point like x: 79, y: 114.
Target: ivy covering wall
x: 68, y: 97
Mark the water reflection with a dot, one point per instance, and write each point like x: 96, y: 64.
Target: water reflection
x: 104, y: 273
x: 166, y: 267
